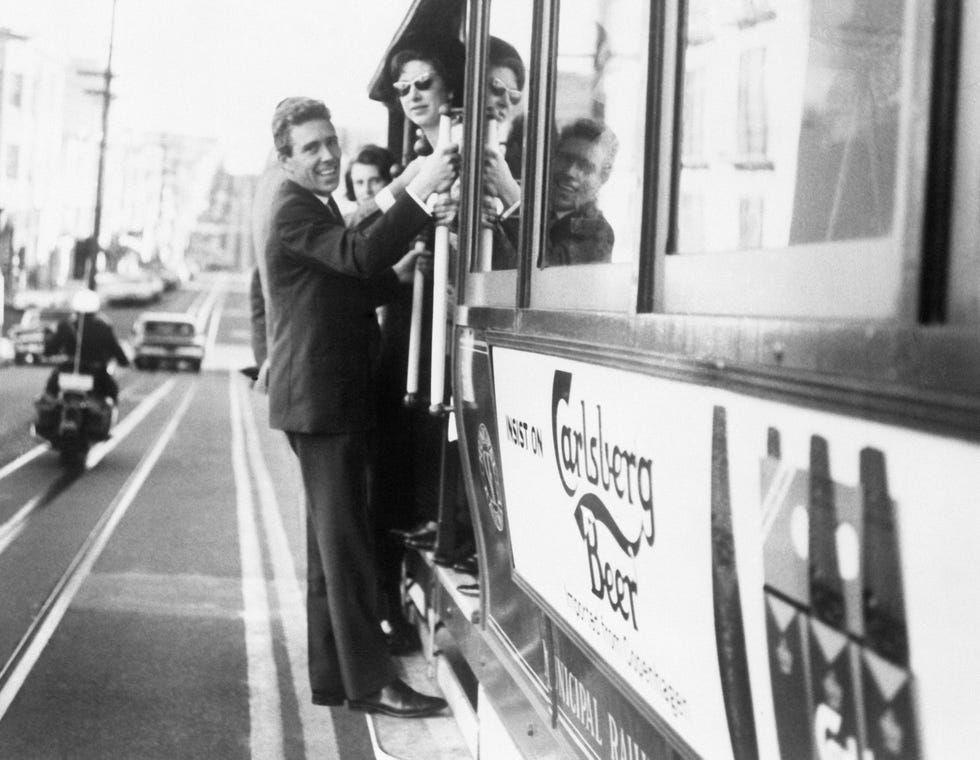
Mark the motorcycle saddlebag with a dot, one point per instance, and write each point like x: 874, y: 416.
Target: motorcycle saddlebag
x: 46, y: 416
x: 98, y: 420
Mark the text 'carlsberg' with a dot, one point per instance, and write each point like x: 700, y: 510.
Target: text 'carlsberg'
x: 582, y: 451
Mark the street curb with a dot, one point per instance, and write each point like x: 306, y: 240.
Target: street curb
x: 6, y: 351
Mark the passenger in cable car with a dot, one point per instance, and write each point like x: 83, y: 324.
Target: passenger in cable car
x: 581, y: 164
x: 370, y: 171
x: 502, y: 162
x: 424, y: 82
x: 578, y: 232
x: 425, y: 78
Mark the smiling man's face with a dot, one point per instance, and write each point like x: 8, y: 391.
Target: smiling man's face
x: 315, y: 159
x: 579, y: 169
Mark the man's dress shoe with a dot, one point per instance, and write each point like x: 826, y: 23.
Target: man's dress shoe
x: 401, y: 536
x: 425, y: 541
x: 399, y: 700
x: 448, y: 559
x: 468, y: 566
x: 327, y: 700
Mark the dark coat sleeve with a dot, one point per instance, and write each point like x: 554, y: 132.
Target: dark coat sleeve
x: 257, y: 313
x: 305, y: 231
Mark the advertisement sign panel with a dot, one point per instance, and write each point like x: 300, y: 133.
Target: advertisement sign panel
x: 767, y: 578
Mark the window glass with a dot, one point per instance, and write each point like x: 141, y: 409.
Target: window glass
x: 964, y: 274
x: 790, y: 120
x: 597, y: 154
x: 508, y: 55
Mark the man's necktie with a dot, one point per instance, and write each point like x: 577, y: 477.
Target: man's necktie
x: 335, y: 210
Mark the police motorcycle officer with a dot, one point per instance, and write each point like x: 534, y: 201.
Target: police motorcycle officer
x: 79, y: 401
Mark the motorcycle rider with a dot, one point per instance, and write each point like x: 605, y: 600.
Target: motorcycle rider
x: 99, y: 347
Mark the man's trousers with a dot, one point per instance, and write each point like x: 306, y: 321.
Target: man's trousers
x: 348, y: 655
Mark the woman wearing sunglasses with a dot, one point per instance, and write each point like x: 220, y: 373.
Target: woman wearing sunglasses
x: 501, y: 166
x: 422, y: 84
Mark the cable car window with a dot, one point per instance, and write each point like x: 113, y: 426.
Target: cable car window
x: 508, y: 51
x: 596, y: 161
x: 791, y: 118
x: 964, y: 276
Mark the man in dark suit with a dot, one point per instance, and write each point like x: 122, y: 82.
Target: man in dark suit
x: 324, y: 283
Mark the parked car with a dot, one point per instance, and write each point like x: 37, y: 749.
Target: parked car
x: 142, y: 288
x: 167, y: 339
x: 30, y: 334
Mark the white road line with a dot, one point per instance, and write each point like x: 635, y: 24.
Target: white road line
x: 215, y: 323
x: 23, y: 459
x: 266, y: 738
x: 13, y: 527
x: 46, y: 622
x: 318, y: 733
x: 204, y: 309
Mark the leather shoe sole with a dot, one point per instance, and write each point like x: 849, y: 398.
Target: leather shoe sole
x: 399, y: 700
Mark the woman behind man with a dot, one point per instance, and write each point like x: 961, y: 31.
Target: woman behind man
x: 369, y: 172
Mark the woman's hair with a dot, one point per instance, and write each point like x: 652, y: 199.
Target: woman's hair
x: 290, y: 113
x: 504, y: 54
x: 370, y: 155
x: 448, y: 64
x: 399, y: 60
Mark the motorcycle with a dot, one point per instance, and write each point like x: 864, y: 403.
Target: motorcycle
x: 76, y: 417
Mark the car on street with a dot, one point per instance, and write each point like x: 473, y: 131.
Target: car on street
x: 36, y: 326
x: 141, y: 287
x: 168, y: 339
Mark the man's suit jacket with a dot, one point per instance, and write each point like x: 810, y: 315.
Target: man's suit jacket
x: 324, y: 282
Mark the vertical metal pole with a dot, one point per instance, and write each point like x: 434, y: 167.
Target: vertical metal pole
x: 440, y: 279
x: 415, y: 333
x: 106, y: 98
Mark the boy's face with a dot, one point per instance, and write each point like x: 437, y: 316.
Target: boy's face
x: 577, y: 173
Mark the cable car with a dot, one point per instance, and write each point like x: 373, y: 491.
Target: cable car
x: 714, y: 395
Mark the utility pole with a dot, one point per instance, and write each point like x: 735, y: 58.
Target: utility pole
x: 92, y: 249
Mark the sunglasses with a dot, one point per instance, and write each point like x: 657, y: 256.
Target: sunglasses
x: 421, y: 83
x: 500, y: 89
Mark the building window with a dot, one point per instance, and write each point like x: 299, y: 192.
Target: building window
x: 17, y: 90
x: 750, y: 222
x: 753, y: 126
x: 13, y: 161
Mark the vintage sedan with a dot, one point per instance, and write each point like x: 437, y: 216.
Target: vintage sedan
x: 32, y: 332
x: 167, y: 339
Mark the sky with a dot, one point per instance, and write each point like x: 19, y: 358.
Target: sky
x: 217, y: 68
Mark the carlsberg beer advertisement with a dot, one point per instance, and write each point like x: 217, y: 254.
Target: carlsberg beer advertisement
x: 608, y: 505
x: 772, y: 580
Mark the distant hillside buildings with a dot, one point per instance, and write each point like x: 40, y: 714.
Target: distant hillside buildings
x: 157, y: 185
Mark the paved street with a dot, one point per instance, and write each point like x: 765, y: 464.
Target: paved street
x: 152, y: 607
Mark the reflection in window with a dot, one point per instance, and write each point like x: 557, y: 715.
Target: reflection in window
x: 753, y: 127
x: 692, y: 130
x: 597, y: 157
x: 508, y: 52
x: 811, y: 87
